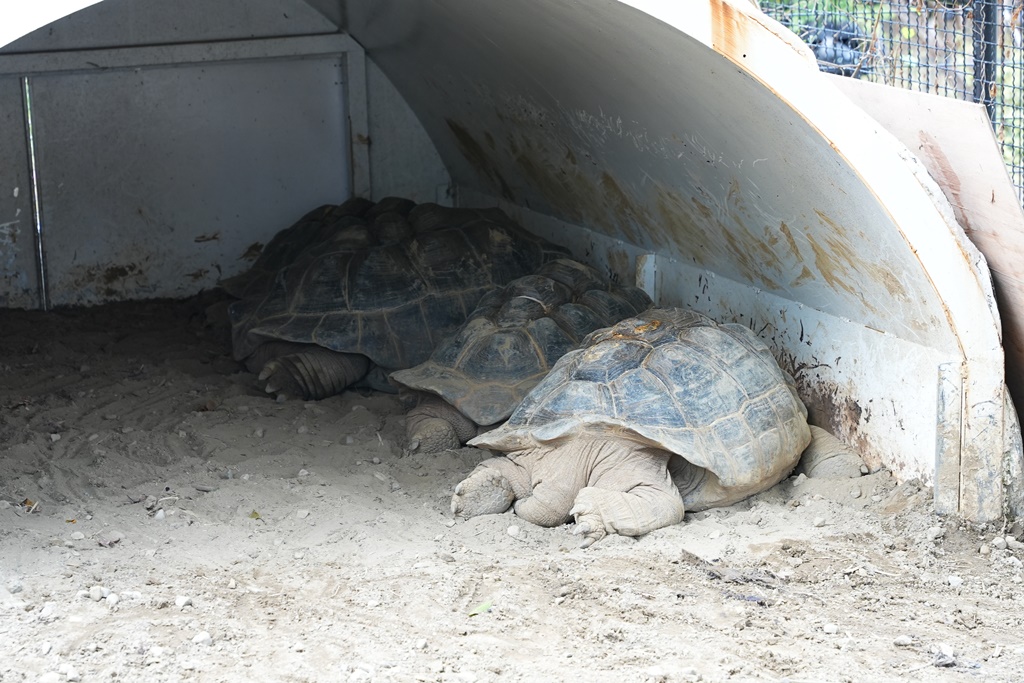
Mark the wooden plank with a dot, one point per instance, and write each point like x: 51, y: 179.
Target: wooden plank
x: 955, y: 142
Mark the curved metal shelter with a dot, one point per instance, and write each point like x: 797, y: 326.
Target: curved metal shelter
x: 691, y: 146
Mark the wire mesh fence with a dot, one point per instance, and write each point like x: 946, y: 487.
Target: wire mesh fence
x: 970, y: 50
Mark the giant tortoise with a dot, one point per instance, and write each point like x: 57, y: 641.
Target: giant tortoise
x: 661, y: 413
x: 481, y: 373
x: 370, y: 283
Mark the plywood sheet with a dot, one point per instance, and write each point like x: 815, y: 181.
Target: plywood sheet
x: 955, y: 142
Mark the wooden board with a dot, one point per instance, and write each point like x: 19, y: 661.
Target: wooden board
x: 955, y: 142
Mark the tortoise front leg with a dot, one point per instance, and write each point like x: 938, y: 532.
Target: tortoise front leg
x: 490, y: 488
x: 629, y: 496
x: 434, y: 425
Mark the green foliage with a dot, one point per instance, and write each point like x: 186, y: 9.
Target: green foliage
x: 925, y: 45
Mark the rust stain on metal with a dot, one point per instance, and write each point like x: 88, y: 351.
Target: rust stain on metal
x: 839, y: 264
x: 949, y: 181
x: 115, y: 273
x: 478, y: 158
x: 624, y: 207
x: 252, y: 252
x: 728, y: 30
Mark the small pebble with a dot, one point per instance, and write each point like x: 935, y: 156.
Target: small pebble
x: 376, y: 461
x: 302, y: 514
x: 182, y: 601
x: 935, y: 533
x: 1013, y: 544
x: 113, y: 599
x: 77, y: 536
x: 232, y: 585
x: 14, y: 586
x: 800, y: 479
x: 999, y: 543
x: 203, y: 638
x: 303, y: 429
x: 513, y: 531
x: 54, y: 437
x: 45, y: 648
x: 349, y: 440
x: 299, y: 555
x: 70, y: 672
x: 819, y: 521
x: 855, y: 493
x: 984, y: 549
x: 96, y: 593
x: 303, y: 473
x: 954, y: 581
x: 944, y: 655
x: 421, y: 644
x: 160, y: 515
x: 259, y: 432
x: 830, y: 628
x: 715, y: 534
x: 903, y: 641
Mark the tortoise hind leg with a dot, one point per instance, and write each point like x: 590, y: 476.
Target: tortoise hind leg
x: 313, y: 373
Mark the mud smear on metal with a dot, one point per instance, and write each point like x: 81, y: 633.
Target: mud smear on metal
x: 475, y: 155
x: 832, y: 409
x: 252, y: 252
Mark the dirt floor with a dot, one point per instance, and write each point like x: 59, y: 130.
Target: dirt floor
x: 162, y: 520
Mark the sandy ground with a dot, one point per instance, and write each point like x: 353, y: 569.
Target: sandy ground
x: 162, y: 520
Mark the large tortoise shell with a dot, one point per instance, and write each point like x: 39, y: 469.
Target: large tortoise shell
x: 676, y: 380
x: 389, y: 280
x: 516, y: 334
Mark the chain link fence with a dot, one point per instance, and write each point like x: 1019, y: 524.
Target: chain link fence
x: 968, y: 50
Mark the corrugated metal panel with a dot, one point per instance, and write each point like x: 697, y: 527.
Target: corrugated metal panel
x: 122, y: 23
x: 159, y: 181
x: 17, y: 261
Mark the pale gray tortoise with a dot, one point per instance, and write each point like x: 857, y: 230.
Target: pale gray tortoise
x: 363, y: 284
x: 481, y: 373
x: 661, y: 413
